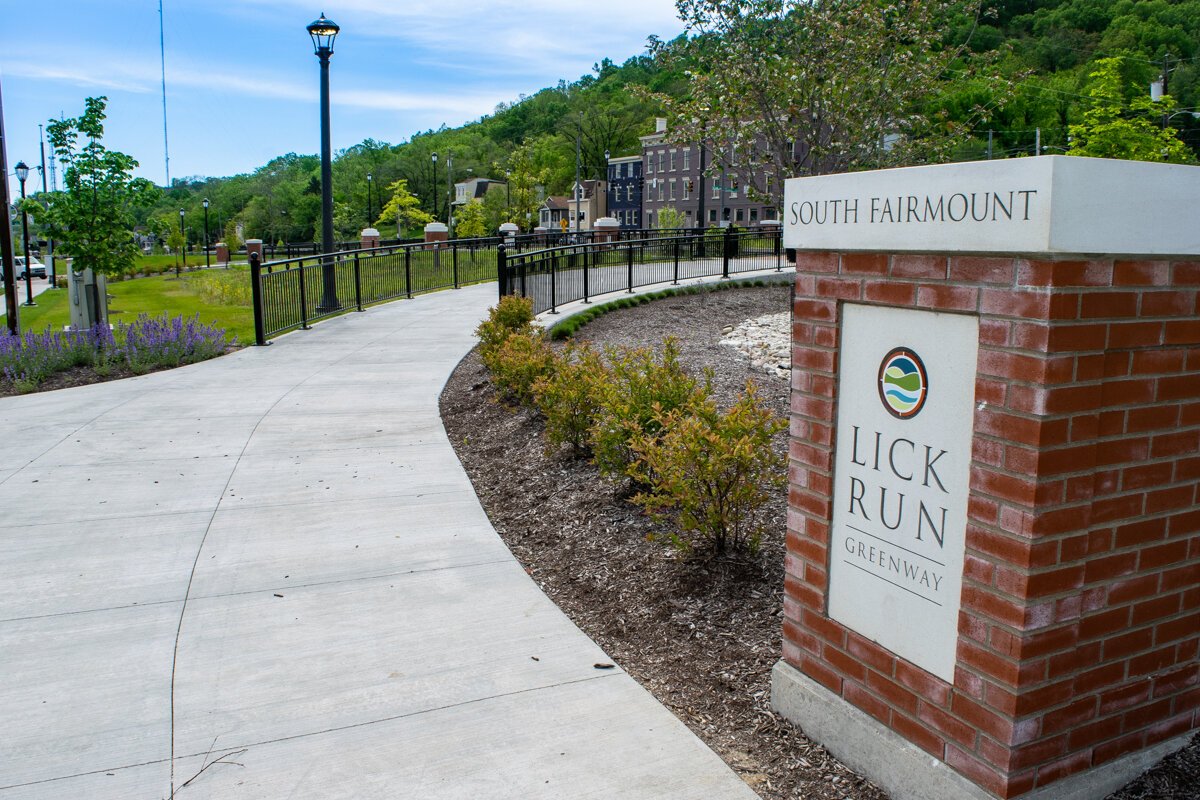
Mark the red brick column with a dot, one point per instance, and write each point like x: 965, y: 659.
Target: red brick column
x: 1080, y: 621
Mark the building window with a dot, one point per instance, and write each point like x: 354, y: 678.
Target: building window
x: 754, y: 215
x: 741, y: 214
x: 712, y: 215
x: 661, y: 158
x: 672, y: 161
x: 768, y: 213
x: 649, y: 163
x: 672, y: 188
x: 624, y: 170
x: 660, y: 189
x: 716, y: 195
x: 687, y: 159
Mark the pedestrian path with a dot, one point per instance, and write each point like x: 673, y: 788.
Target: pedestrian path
x: 267, y: 576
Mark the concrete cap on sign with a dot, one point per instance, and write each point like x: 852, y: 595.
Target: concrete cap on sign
x: 1055, y: 205
x: 436, y: 227
x: 606, y: 222
x: 253, y: 241
x: 369, y: 232
x: 509, y: 227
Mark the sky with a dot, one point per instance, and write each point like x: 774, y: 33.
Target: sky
x: 243, y: 83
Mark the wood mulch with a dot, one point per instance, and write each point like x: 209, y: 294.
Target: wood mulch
x: 701, y: 634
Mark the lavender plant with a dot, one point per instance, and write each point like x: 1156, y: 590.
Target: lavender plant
x: 145, y: 344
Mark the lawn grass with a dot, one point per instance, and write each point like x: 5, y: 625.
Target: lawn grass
x: 153, y: 296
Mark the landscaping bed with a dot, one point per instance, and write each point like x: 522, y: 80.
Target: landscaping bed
x: 700, y: 634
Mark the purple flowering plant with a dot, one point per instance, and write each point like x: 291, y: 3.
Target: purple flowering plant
x: 146, y: 343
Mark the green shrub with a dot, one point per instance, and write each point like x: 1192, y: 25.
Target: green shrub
x: 641, y: 389
x: 519, y: 362
x: 511, y: 315
x: 709, y: 472
x: 569, y: 398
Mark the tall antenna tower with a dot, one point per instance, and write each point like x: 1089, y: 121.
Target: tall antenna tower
x: 162, y: 50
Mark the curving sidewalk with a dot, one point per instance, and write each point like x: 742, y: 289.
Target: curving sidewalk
x: 267, y: 576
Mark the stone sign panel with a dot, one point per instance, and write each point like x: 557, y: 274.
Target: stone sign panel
x: 999, y: 207
x: 901, y: 479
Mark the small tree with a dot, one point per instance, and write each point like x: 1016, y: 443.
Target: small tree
x: 469, y: 222
x: 404, y: 209
x: 671, y: 219
x: 175, y: 241
x: 233, y: 242
x: 92, y: 219
x: 1115, y: 128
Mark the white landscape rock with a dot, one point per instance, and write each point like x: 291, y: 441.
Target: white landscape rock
x: 766, y: 341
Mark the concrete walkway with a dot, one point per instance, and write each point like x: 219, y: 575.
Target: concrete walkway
x: 267, y: 576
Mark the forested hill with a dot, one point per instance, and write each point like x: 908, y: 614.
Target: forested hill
x: 1040, y: 54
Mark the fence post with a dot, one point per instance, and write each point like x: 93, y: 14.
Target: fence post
x: 502, y: 270
x: 303, y: 298
x: 521, y: 268
x: 454, y: 258
x: 727, y: 244
x: 260, y: 333
x: 675, y: 279
x: 408, y: 271
x: 629, y: 267
x: 357, y: 283
x: 553, y: 285
x: 778, y: 250
x: 585, y: 283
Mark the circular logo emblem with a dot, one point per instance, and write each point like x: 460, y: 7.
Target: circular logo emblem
x: 903, y: 383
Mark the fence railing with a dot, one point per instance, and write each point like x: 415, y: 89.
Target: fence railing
x: 553, y: 268
x: 557, y: 275
x: 295, y: 292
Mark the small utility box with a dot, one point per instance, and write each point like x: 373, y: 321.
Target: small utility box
x: 87, y: 293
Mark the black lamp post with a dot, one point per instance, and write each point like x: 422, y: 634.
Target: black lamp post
x: 183, y: 236
x: 22, y: 174
x: 508, y: 189
x: 370, y: 216
x: 433, y: 187
x: 323, y: 31
x: 204, y: 203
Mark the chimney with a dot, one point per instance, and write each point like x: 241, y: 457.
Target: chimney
x: 660, y: 124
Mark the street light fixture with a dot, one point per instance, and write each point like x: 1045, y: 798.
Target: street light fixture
x: 204, y: 203
x: 22, y: 174
x: 323, y: 31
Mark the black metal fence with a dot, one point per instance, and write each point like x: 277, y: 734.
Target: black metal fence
x: 556, y: 275
x: 553, y: 268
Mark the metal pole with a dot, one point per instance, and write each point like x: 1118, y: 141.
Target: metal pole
x: 183, y: 234
x: 449, y: 194
x: 701, y: 221
x: 207, y: 256
x: 990, y: 134
x: 577, y: 191
x: 25, y: 241
x: 501, y: 271
x: 6, y: 243
x: 260, y: 335
x: 49, y: 242
x: 329, y: 298
x: 370, y: 216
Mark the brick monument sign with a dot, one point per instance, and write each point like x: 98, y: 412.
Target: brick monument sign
x: 993, y: 561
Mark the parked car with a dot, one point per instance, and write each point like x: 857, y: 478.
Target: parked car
x: 36, y: 268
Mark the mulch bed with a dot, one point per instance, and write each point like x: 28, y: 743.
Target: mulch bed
x: 701, y: 634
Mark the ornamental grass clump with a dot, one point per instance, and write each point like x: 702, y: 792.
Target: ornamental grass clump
x: 709, y: 472
x: 641, y: 390
x: 569, y: 397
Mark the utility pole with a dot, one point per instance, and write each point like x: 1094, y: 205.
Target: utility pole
x: 990, y: 132
x: 1037, y: 148
x: 162, y: 50
x: 449, y: 193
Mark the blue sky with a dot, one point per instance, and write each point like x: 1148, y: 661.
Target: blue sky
x: 242, y: 80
